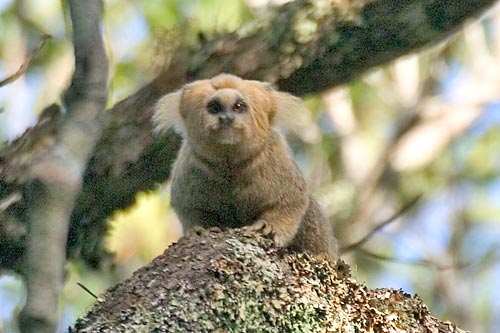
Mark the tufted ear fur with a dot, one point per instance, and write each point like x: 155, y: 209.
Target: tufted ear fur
x: 291, y: 112
x: 166, y: 113
x: 288, y: 103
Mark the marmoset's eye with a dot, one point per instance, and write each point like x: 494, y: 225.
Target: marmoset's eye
x: 214, y: 106
x: 239, y: 106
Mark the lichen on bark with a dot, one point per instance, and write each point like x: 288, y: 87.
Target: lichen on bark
x: 236, y: 281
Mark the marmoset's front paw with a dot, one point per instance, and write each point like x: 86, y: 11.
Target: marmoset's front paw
x: 260, y: 226
x: 265, y: 228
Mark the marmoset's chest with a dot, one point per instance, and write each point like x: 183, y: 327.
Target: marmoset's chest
x: 226, y: 194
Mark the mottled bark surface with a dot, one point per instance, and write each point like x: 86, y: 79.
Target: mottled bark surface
x: 215, y: 281
x: 304, y: 47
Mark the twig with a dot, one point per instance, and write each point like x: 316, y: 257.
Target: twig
x: 381, y: 225
x: 24, y: 67
x: 11, y: 199
x: 371, y: 184
x: 381, y: 257
x: 415, y: 262
x: 87, y: 290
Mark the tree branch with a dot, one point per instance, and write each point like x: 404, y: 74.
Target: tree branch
x: 406, y: 207
x: 306, y: 46
x: 56, y: 175
x: 215, y: 281
x: 24, y: 66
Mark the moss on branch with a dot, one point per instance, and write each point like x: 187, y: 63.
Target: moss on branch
x: 233, y: 281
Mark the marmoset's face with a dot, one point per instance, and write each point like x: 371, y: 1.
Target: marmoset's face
x: 227, y: 110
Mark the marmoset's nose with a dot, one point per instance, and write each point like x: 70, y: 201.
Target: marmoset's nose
x: 226, y: 117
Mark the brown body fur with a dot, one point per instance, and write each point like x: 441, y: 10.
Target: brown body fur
x: 234, y: 169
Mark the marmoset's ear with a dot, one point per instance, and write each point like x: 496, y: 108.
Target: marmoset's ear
x: 287, y: 103
x: 291, y: 113
x: 166, y: 113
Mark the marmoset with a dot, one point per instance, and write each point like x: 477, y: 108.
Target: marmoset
x: 235, y: 169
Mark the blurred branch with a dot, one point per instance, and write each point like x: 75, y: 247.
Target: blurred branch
x: 10, y: 200
x: 437, y: 122
x: 24, y: 67
x: 348, y: 39
x: 377, y: 256
x: 56, y: 175
x: 415, y: 262
x: 369, y: 195
x: 405, y: 208
x: 422, y: 262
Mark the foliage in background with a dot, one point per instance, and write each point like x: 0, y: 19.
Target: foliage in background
x: 426, y: 125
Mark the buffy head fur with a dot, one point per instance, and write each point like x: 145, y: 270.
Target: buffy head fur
x: 225, y: 113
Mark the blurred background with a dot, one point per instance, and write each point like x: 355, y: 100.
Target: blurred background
x: 408, y: 154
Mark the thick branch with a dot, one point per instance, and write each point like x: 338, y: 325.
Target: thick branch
x: 381, y: 31
x: 55, y: 176
x: 307, y: 46
x: 231, y: 281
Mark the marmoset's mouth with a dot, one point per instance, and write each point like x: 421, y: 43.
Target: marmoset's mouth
x: 226, y: 134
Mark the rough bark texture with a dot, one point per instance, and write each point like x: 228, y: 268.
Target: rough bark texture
x: 232, y: 281
x: 304, y: 47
